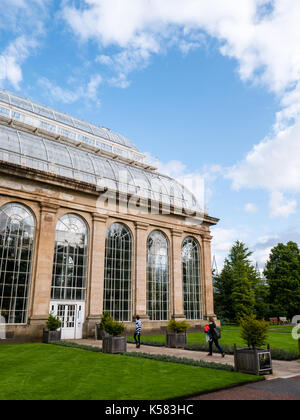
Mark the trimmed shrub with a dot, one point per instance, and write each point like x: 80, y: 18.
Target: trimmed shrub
x: 254, y: 332
x: 114, y: 328
x: 53, y: 323
x: 178, y: 326
x: 106, y: 318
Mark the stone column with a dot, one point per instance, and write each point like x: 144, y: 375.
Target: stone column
x: 141, y: 270
x: 176, y: 276
x: 96, y: 287
x: 208, y: 282
x: 44, y: 264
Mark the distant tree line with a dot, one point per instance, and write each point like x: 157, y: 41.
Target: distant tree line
x: 240, y: 289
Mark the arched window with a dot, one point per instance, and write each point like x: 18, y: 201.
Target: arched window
x: 158, y: 277
x: 118, y: 273
x: 192, y: 293
x: 17, y: 232
x: 69, y: 278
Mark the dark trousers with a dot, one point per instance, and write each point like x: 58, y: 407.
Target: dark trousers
x: 137, y: 341
x: 216, y: 343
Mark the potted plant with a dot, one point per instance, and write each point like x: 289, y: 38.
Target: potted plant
x: 53, y: 332
x: 176, y: 334
x: 114, y: 342
x: 100, y: 328
x: 253, y: 359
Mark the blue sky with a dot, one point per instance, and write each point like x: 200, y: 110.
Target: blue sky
x: 210, y: 90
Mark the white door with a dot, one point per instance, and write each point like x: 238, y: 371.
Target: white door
x: 71, y: 315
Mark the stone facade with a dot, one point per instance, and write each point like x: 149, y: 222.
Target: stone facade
x: 50, y: 196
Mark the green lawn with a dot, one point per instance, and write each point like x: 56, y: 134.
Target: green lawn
x: 48, y: 372
x: 279, y: 338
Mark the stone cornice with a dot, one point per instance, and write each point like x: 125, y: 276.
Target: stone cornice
x: 177, y: 233
x: 48, y: 207
x: 97, y: 217
x: 207, y: 238
x: 141, y: 226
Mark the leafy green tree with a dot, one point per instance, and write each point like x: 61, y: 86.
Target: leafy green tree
x: 238, y: 289
x: 254, y: 332
x: 223, y: 293
x: 283, y: 277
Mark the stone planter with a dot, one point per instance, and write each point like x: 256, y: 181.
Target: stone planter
x: 253, y: 361
x: 51, y: 336
x: 100, y: 333
x: 113, y: 345
x: 176, y: 340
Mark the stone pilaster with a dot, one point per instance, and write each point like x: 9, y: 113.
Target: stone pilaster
x: 96, y: 289
x: 176, y: 276
x: 44, y: 264
x: 141, y: 270
x: 208, y: 282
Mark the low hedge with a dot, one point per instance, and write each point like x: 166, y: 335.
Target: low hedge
x: 181, y: 360
x: 158, y: 357
x: 277, y: 354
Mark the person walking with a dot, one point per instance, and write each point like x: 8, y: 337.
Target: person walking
x: 138, y: 331
x: 212, y: 337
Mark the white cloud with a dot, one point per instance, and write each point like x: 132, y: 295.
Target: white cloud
x: 280, y: 206
x: 223, y: 240
x: 261, y: 256
x: 13, y: 57
x: 69, y: 96
x: 262, y: 35
x: 22, y: 21
x: 251, y: 208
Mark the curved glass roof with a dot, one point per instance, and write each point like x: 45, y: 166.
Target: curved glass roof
x: 45, y: 111
x: 36, y: 152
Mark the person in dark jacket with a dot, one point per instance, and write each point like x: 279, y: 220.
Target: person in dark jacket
x: 213, y: 338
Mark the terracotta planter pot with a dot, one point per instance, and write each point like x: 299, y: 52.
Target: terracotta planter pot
x: 176, y: 340
x: 114, y: 345
x: 253, y: 361
x: 51, y: 336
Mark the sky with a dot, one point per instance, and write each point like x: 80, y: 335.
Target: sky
x: 209, y: 90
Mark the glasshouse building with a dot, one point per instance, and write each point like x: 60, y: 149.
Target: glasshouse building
x: 87, y: 226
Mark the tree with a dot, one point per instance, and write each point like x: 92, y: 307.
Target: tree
x: 238, y: 287
x: 283, y: 277
x: 254, y: 332
x: 223, y: 293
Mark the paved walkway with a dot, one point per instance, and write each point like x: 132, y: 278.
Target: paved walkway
x: 280, y: 369
x: 278, y: 389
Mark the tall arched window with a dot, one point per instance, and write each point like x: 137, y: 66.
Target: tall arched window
x: 17, y: 232
x: 158, y: 277
x: 69, y: 278
x: 192, y: 293
x: 118, y: 273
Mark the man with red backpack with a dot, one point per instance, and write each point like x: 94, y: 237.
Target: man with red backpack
x: 213, y: 335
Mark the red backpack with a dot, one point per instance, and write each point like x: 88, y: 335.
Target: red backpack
x: 206, y: 328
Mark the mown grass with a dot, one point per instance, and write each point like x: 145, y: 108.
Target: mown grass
x: 47, y: 372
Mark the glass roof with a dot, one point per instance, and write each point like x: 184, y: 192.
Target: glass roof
x: 29, y: 105
x: 36, y: 152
